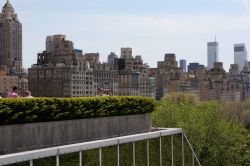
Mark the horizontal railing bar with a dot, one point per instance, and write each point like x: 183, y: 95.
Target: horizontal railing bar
x: 48, y: 152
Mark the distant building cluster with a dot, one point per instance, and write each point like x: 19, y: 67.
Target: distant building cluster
x: 62, y: 70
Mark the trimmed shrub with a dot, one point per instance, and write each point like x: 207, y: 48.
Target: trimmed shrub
x: 19, y: 111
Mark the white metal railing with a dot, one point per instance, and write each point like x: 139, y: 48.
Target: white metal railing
x: 99, y: 144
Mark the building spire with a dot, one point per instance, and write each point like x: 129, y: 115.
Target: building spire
x: 8, y: 5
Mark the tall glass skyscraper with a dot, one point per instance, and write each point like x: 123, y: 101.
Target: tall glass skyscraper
x: 183, y: 65
x: 212, y: 54
x: 240, y: 55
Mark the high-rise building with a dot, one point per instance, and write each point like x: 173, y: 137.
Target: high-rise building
x: 167, y: 75
x: 133, y: 76
x: 49, y: 43
x: 126, y: 53
x: 60, y: 71
x: 10, y: 39
x: 240, y: 55
x: 212, y: 54
x: 111, y: 58
x: 183, y: 65
x: 192, y: 67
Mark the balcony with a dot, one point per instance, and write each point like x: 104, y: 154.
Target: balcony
x: 170, y: 147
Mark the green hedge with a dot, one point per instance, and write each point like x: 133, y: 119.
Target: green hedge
x: 19, y: 111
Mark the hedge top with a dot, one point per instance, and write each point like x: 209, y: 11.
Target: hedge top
x: 19, y: 111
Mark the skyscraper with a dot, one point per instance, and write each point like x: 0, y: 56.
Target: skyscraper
x: 183, y: 65
x: 111, y: 58
x: 49, y: 44
x: 212, y: 54
x: 240, y: 55
x: 10, y: 39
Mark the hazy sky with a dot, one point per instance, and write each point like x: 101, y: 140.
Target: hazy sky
x: 151, y: 27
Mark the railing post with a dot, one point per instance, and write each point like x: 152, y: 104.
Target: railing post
x: 147, y: 152
x: 31, y: 162
x: 80, y: 158
x: 160, y: 151
x: 100, y: 156
x: 118, y: 153
x: 133, y: 153
x: 192, y: 159
x: 182, y: 147
x: 172, y: 149
x: 57, y: 159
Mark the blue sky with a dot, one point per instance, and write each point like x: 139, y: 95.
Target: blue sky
x: 151, y: 27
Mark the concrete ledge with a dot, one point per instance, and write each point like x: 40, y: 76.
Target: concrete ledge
x: 23, y: 137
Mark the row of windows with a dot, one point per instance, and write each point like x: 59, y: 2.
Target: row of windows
x: 106, y: 75
x: 104, y: 82
x: 82, y: 83
x: 82, y: 92
x: 81, y: 87
x: 83, y: 73
x: 74, y: 77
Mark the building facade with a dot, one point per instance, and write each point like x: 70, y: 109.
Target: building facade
x: 240, y: 55
x: 8, y: 81
x: 112, y: 57
x: 11, y: 71
x: 106, y: 78
x: 10, y: 40
x: 212, y: 54
x: 167, y: 75
x: 192, y: 67
x: 62, y: 71
x: 134, y: 76
x: 183, y: 65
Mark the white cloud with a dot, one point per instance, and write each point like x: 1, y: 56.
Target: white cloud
x: 246, y: 4
x: 184, y: 34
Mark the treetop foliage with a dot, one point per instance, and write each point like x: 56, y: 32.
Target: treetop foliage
x: 216, y: 139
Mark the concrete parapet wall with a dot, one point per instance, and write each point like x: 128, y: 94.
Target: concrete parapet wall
x: 23, y: 137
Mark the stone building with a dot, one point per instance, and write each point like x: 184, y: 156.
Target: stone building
x: 217, y: 84
x: 8, y: 81
x: 168, y: 76
x: 239, y: 82
x: 11, y: 72
x: 10, y: 40
x: 129, y: 83
x: 62, y: 71
x: 134, y: 76
x: 111, y: 58
x: 107, y: 78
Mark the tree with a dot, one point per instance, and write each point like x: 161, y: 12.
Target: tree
x: 216, y: 140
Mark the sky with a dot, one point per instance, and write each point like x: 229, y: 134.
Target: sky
x: 151, y: 27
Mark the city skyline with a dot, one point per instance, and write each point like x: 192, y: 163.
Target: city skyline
x: 149, y: 28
